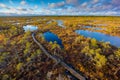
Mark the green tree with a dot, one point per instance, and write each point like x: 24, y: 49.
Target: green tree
x: 78, y: 39
x: 13, y: 30
x: 100, y: 60
x: 94, y: 43
x: 117, y: 54
x: 27, y: 48
x: 25, y: 38
x: 19, y: 66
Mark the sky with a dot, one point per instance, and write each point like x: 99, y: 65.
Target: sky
x: 59, y: 7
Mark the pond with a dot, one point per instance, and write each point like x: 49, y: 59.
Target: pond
x: 49, y: 22
x: 60, y: 23
x: 49, y: 36
x: 94, y: 28
x: 115, y: 41
x: 17, y: 23
x: 87, y: 26
x: 102, y: 25
x: 30, y: 28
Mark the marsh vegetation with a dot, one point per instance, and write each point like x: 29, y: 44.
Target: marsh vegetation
x: 94, y: 56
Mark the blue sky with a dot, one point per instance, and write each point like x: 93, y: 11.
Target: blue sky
x: 59, y: 7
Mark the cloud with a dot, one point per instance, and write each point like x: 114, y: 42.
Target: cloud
x: 21, y: 9
x: 111, y: 13
x: 36, y: 7
x: 63, y: 3
x: 23, y: 3
x: 66, y: 7
x: 95, y: 1
x: 74, y: 11
x: 72, y: 2
x: 116, y: 2
x: 12, y: 8
x: 2, y: 5
x: 93, y: 7
x: 17, y: 10
x: 84, y: 4
x: 56, y: 5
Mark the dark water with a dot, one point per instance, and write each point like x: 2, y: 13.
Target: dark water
x: 30, y: 28
x: 100, y: 37
x: 49, y: 36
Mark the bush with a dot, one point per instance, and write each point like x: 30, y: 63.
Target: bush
x: 94, y: 43
x: 100, y: 60
x: 19, y: 66
x: 117, y: 54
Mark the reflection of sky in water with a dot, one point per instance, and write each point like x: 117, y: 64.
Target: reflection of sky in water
x: 59, y: 22
x: 95, y: 28
x: 30, y: 28
x: 101, y: 24
x: 87, y: 26
x: 52, y: 37
x: 100, y: 37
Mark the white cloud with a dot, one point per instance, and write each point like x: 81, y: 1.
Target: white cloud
x: 52, y: 5
x: 3, y: 5
x: 56, y: 5
x: 116, y: 2
x: 21, y: 9
x: 72, y: 1
x: 23, y: 3
x: 67, y: 7
x: 95, y: 1
x: 84, y: 4
x: 36, y: 6
x: 111, y: 13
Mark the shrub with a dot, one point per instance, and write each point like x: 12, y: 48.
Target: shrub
x: 19, y: 66
x: 100, y: 60
x: 117, y: 54
x: 94, y: 43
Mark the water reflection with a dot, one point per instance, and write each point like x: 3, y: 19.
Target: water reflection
x: 52, y: 37
x: 100, y: 37
x: 94, y: 28
x: 30, y: 28
x: 60, y: 23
